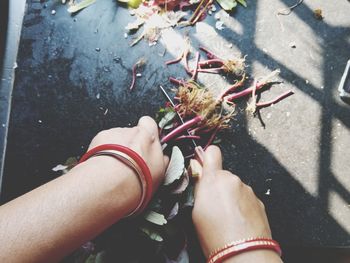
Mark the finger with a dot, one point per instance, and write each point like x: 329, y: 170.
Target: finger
x: 212, y: 160
x: 149, y: 125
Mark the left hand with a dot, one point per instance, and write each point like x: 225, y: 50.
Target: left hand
x: 143, y: 139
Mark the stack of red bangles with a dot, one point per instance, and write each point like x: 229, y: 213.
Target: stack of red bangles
x: 244, y: 245
x: 134, y: 161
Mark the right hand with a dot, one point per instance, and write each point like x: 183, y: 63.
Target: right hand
x: 226, y: 209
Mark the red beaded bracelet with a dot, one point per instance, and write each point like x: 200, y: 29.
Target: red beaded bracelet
x: 134, y: 161
x: 241, y: 246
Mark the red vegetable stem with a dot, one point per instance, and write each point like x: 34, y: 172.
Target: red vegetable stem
x: 211, y: 139
x: 243, y: 93
x: 211, y: 62
x: 189, y: 72
x: 192, y: 137
x: 210, y: 54
x: 133, y: 77
x: 196, y: 11
x: 274, y: 101
x: 181, y: 128
x: 174, y: 61
x: 193, y: 21
x: 176, y: 108
x: 176, y: 81
x: 210, y: 70
x: 195, y: 71
x: 235, y: 86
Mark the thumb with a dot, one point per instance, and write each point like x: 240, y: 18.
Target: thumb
x: 212, y: 161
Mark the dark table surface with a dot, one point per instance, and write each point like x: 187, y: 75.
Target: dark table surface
x: 64, y: 86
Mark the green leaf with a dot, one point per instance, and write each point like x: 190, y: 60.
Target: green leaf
x: 242, y: 2
x: 174, y: 211
x: 134, y: 3
x: 83, y: 4
x: 155, y: 218
x: 166, y: 119
x: 182, y: 184
x: 91, y: 259
x: 176, y: 166
x: 154, y: 235
x: 101, y: 257
x: 227, y: 5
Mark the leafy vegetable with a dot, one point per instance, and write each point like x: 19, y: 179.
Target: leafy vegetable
x: 155, y: 218
x: 176, y: 166
x: 134, y: 3
x: 174, y: 211
x: 152, y: 234
x: 83, y: 4
x: 182, y: 185
x: 166, y: 119
x: 242, y: 2
x: 228, y: 5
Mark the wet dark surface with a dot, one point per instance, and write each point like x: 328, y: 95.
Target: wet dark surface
x: 72, y: 81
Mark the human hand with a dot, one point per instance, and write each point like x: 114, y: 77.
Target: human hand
x: 144, y: 140
x: 227, y: 210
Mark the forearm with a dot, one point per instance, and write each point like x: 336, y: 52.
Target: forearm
x: 56, y: 218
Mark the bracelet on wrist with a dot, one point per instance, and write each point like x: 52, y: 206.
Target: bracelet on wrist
x: 244, y: 245
x: 135, y: 162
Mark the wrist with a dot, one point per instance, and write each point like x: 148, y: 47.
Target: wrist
x: 261, y: 256
x: 122, y: 186
x: 260, y: 249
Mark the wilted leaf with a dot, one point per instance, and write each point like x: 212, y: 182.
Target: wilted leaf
x: 176, y: 166
x: 318, y: 14
x: 152, y: 234
x: 71, y: 162
x: 83, y: 4
x: 135, y: 24
x: 166, y: 119
x: 182, y: 185
x: 155, y: 218
x: 59, y: 167
x: 174, y: 17
x: 227, y: 5
x: 174, y: 211
x: 242, y: 2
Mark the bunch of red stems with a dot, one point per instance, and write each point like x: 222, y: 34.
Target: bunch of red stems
x: 191, y: 129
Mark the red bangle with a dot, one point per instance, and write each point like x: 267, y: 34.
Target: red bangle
x: 238, y: 247
x: 134, y: 161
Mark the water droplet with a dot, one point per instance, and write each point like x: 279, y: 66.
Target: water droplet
x: 98, y: 49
